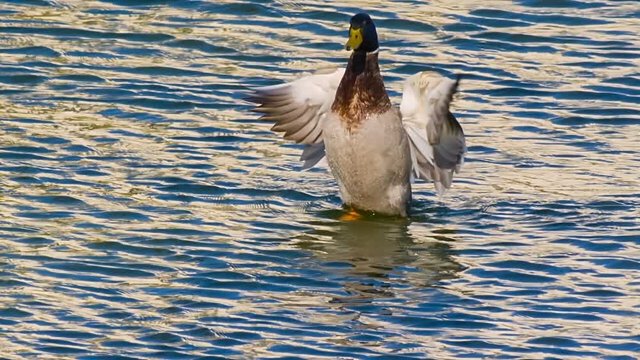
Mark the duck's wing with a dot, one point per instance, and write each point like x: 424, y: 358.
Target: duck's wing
x: 299, y: 109
x: 437, y: 140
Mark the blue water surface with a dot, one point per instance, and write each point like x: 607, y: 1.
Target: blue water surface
x: 147, y: 214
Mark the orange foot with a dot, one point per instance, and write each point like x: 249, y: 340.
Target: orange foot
x: 351, y: 215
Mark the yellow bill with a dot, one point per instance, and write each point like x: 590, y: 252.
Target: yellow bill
x: 355, y: 39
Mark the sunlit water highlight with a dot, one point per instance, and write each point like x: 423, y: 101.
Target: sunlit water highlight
x: 146, y: 213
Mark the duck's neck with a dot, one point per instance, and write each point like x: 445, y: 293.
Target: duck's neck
x: 361, y: 92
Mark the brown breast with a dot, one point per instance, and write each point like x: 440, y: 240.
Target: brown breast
x: 361, y: 92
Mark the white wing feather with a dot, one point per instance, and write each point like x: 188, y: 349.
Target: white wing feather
x: 299, y: 109
x: 437, y: 140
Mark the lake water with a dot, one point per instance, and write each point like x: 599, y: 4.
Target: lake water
x: 146, y: 213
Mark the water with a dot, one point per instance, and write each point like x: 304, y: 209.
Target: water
x: 146, y: 213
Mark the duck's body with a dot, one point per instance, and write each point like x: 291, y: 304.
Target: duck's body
x: 372, y: 147
x: 359, y: 160
x: 362, y: 132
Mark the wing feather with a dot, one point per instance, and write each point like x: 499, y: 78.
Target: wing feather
x: 312, y: 154
x: 437, y: 139
x: 299, y: 109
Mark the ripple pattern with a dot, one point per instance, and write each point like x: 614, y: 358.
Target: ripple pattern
x: 147, y: 214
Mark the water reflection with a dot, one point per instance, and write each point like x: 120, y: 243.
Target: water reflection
x: 375, y: 255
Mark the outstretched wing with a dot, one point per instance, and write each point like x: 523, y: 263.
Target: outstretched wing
x: 437, y: 140
x: 299, y: 109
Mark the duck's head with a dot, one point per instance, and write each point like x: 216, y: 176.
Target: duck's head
x: 362, y: 34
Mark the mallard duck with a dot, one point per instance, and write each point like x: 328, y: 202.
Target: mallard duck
x: 374, y: 149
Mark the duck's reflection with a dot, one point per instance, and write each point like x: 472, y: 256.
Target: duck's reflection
x: 372, y: 257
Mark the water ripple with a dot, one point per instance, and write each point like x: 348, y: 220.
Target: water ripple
x: 146, y: 213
